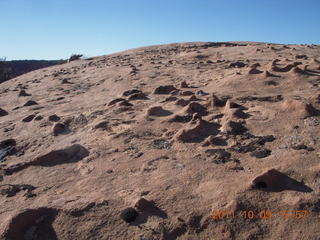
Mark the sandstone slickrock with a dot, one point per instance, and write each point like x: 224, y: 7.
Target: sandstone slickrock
x: 223, y: 131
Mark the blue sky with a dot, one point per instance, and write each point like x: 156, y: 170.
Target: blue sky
x: 54, y: 29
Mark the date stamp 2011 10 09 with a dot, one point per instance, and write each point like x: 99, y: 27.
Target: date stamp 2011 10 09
x: 262, y: 214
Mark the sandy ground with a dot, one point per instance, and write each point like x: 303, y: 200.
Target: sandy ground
x: 198, y: 140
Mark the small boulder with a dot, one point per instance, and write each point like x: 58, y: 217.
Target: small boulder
x: 128, y: 215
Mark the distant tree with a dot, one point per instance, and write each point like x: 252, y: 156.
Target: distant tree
x: 5, y: 72
x: 75, y: 57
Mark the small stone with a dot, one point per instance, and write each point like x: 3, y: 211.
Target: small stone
x: 54, y: 118
x: 103, y: 125
x: 186, y: 93
x: 202, y: 93
x: 59, y: 128
x: 128, y: 215
x: 116, y: 101
x: 130, y: 92
x: 139, y: 155
x: 38, y: 118
x: 137, y: 96
x: 261, y: 153
x: 180, y: 165
x: 28, y: 118
x: 23, y: 93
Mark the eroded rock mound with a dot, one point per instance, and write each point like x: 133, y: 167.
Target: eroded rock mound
x: 197, y: 132
x: 158, y: 111
x: 214, y: 101
x: 299, y: 109
x: 32, y: 224
x: 275, y: 181
x: 232, y: 127
x: 195, y: 107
